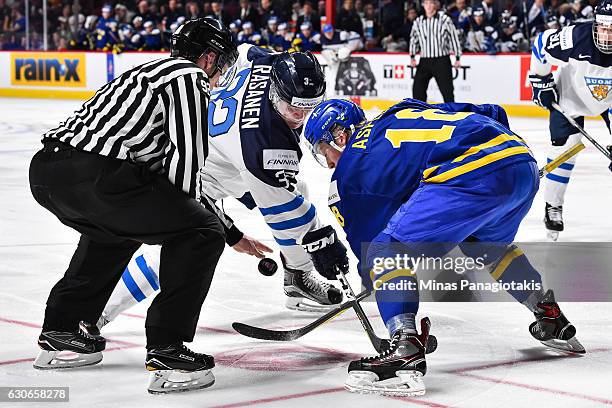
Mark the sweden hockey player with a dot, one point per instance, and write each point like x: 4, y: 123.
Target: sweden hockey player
x: 581, y: 86
x: 254, y: 123
x: 447, y: 174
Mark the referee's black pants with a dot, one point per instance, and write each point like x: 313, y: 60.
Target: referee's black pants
x: 117, y: 205
x: 439, y: 68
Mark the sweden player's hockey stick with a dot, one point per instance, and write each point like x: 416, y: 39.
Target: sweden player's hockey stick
x: 288, y: 335
x: 582, y: 131
x: 562, y: 158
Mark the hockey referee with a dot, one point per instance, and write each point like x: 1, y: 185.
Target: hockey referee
x: 122, y: 172
x: 435, y: 36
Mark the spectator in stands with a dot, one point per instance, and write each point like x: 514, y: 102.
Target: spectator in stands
x: 266, y: 10
x: 5, y: 15
x: 371, y: 28
x: 570, y: 13
x: 310, y: 40
x: 171, y: 13
x: 12, y: 42
x: 296, y: 11
x: 391, y: 17
x: 491, y: 12
x: 309, y: 16
x: 121, y: 14
x: 321, y: 8
x: 536, y: 17
x: 193, y: 11
x: 359, y: 8
x: 348, y: 19
x: 248, y: 13
x: 144, y: 12
x: 460, y: 14
x: 507, y: 37
x: 218, y: 13
x: 18, y: 22
x: 479, y: 37
x: 400, y: 39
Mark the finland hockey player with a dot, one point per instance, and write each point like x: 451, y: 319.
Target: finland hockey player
x: 475, y: 187
x: 581, y: 86
x: 254, y: 155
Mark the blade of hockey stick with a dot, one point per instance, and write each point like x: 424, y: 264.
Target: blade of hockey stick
x: 289, y: 335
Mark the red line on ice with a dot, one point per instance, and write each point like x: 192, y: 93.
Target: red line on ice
x: 279, y: 398
x: 205, y: 328
x: 541, y: 389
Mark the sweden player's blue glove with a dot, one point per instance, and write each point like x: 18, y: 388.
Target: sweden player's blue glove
x: 327, y: 252
x: 544, y: 90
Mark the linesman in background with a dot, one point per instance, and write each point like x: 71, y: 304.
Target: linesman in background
x: 435, y: 37
x: 122, y: 172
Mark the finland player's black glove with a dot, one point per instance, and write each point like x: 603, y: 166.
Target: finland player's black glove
x: 327, y: 252
x: 544, y: 90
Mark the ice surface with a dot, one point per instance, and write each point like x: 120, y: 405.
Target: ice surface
x: 486, y: 358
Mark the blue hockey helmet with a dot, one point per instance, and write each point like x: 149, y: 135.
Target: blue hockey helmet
x: 298, y: 86
x: 326, y: 117
x: 602, y: 26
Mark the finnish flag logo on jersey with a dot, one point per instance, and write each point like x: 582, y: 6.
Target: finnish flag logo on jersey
x: 599, y: 87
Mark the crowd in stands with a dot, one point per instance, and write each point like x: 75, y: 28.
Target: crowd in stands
x: 490, y: 26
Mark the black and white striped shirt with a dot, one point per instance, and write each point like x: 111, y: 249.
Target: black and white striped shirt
x: 434, y: 37
x: 154, y: 114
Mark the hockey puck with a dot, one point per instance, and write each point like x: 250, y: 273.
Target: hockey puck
x: 267, y: 267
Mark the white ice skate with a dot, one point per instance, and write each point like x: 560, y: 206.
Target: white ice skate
x: 306, y: 292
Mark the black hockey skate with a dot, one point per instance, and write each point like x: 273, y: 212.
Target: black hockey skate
x: 398, y: 371
x: 552, y: 328
x: 84, y: 349
x: 306, y: 292
x: 553, y: 220
x: 176, y: 368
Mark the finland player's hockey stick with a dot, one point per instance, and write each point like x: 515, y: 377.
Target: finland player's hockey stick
x: 562, y: 158
x: 289, y: 335
x: 582, y: 131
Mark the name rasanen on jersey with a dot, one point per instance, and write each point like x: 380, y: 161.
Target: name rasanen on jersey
x: 251, y: 108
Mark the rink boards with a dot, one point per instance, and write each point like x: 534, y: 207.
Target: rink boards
x: 377, y: 80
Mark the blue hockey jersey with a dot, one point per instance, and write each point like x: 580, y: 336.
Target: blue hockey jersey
x: 386, y: 159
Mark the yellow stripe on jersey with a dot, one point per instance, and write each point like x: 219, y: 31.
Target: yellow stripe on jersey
x: 483, y: 161
x: 430, y: 170
x: 491, y: 143
x: 505, y: 262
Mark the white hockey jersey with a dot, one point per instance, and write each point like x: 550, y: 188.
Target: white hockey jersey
x: 254, y: 156
x: 584, y: 77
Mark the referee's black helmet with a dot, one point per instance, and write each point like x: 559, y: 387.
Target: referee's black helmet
x: 196, y: 37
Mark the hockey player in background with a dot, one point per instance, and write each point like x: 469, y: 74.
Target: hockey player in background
x: 508, y: 37
x: 433, y: 193
x: 581, y: 86
x: 107, y: 36
x: 337, y: 48
x: 254, y: 124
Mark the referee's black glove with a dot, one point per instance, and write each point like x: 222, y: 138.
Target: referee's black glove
x: 327, y: 252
